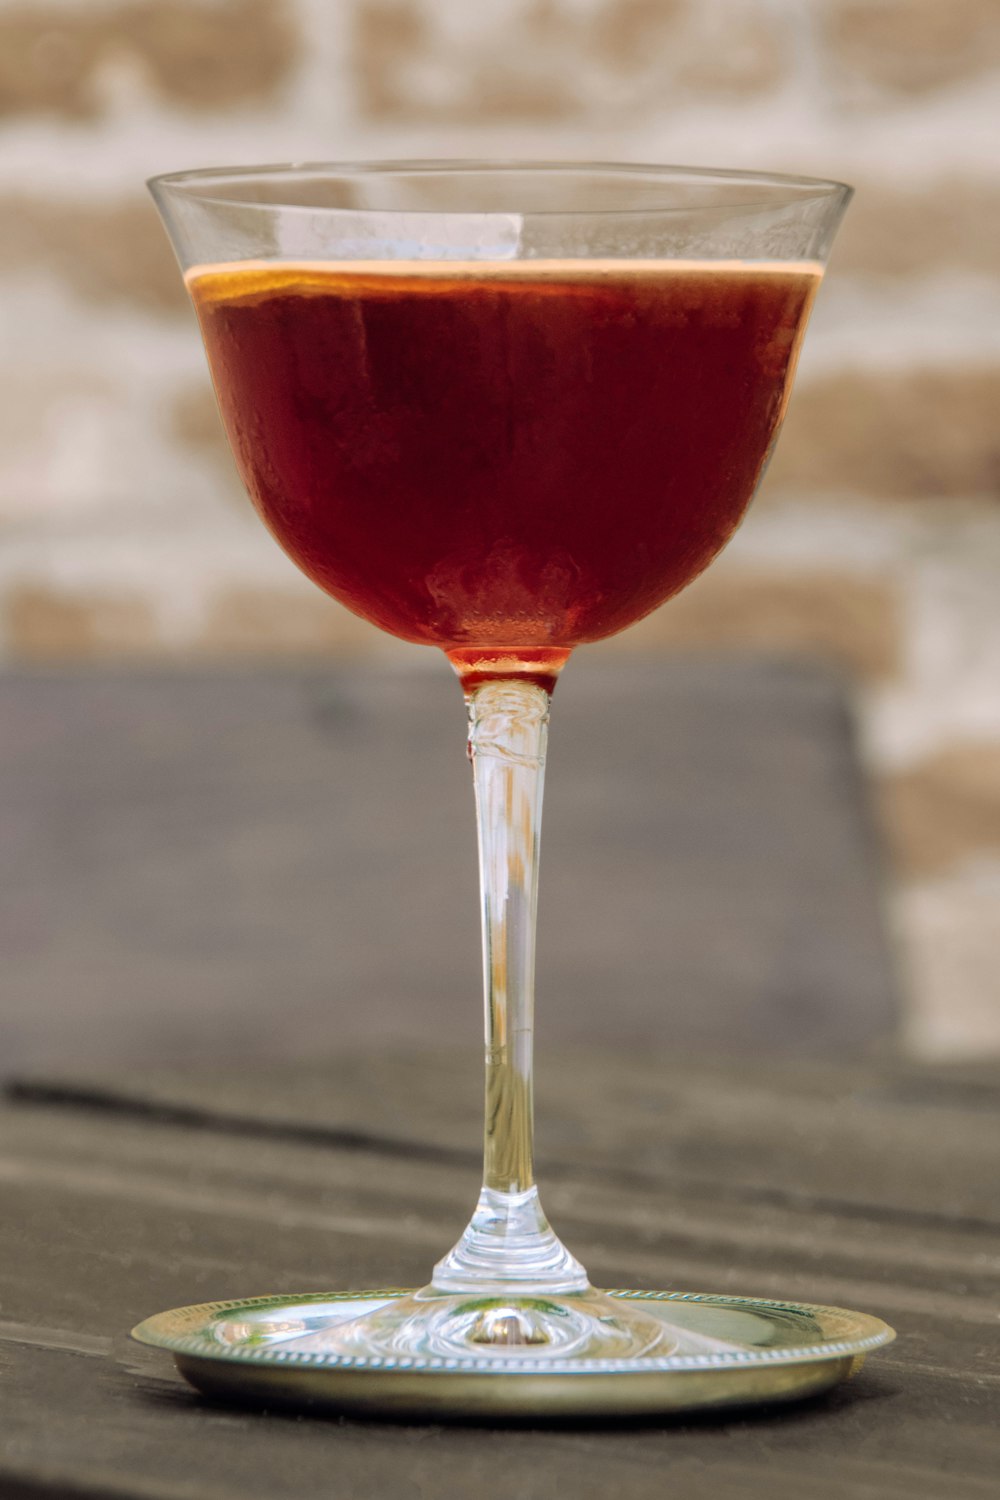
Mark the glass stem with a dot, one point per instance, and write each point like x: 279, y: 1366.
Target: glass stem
x: 509, y: 1246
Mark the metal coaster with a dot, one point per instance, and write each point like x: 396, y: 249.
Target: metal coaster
x: 722, y: 1351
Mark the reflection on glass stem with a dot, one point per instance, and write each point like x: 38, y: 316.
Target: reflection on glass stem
x: 509, y: 1243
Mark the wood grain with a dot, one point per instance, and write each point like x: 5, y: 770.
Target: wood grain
x: 254, y: 865
x: 870, y: 1186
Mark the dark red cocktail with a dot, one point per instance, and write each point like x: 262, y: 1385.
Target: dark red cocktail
x: 503, y: 460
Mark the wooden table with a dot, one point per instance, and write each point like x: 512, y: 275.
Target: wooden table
x: 234, y: 864
x: 873, y: 1186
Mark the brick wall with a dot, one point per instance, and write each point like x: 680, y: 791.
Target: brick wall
x: 876, y: 541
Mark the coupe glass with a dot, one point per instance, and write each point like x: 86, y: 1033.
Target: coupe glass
x: 503, y: 409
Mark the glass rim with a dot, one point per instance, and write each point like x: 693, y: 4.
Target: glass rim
x: 796, y: 185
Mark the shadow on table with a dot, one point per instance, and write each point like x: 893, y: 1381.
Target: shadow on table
x: 869, y: 1388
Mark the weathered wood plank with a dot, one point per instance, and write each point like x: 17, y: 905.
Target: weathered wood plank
x: 892, y: 1138
x: 133, y: 1433
x: 239, y: 865
x: 104, y: 1217
x: 246, y: 1213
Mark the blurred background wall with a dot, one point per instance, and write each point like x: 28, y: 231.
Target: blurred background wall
x: 875, y: 543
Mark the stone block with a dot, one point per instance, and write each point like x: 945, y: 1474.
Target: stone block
x: 945, y: 225
x: 838, y: 617
x: 104, y: 252
x: 49, y: 60
x: 910, y: 47
x: 947, y: 932
x: 733, y: 55
x: 923, y: 433
x: 943, y: 811
x: 246, y: 621
x: 56, y: 59
x: 556, y: 60
x: 197, y: 425
x: 45, y: 623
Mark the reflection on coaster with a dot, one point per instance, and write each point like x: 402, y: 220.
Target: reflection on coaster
x: 496, y: 1358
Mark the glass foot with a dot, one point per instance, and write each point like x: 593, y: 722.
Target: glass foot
x: 431, y: 1324
x: 434, y: 1355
